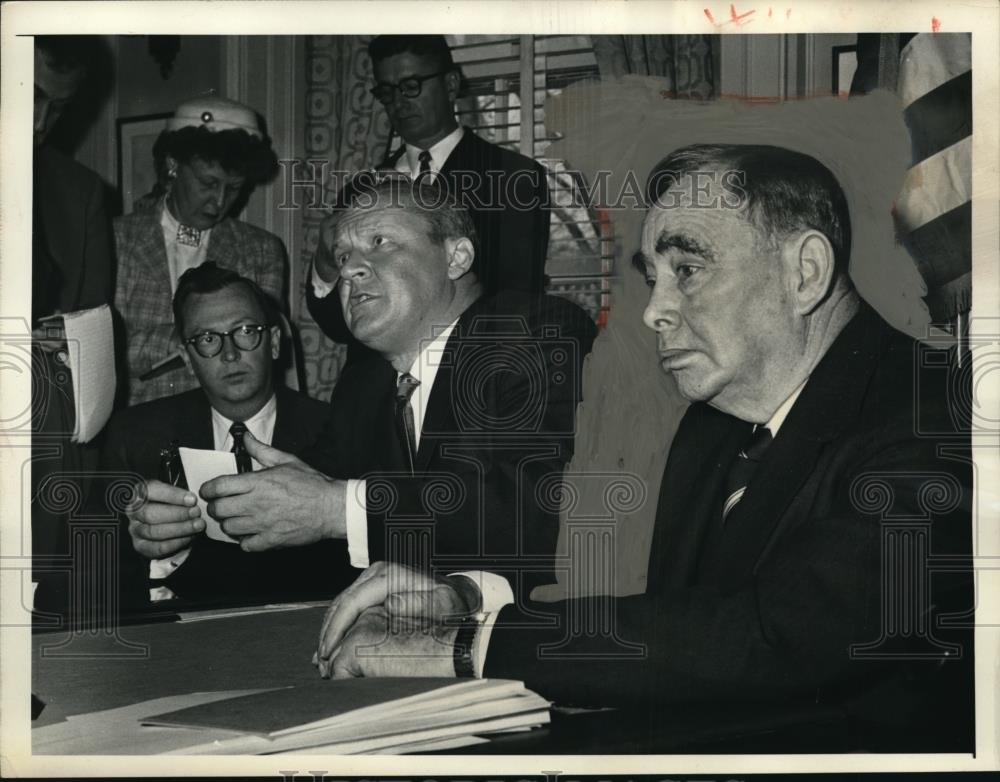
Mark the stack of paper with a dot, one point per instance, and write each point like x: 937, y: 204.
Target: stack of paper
x: 90, y: 353
x: 352, y: 716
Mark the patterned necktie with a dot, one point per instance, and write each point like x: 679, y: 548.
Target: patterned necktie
x: 425, y: 163
x: 243, y: 463
x: 188, y: 235
x: 405, y: 387
x: 743, y: 467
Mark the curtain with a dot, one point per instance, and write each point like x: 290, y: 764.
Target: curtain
x: 346, y: 130
x: 685, y: 61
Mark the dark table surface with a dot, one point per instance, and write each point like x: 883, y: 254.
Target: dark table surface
x: 77, y: 673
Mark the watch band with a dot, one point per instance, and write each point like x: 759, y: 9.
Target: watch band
x: 462, y: 654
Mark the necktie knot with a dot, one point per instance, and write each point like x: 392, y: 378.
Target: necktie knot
x: 405, y: 387
x: 188, y: 235
x: 743, y: 467
x: 425, y: 161
x: 238, y: 430
x: 757, y: 444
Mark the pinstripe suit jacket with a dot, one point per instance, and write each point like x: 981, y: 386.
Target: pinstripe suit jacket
x: 143, y: 294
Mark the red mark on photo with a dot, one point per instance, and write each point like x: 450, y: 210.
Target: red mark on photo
x: 710, y: 17
x: 739, y: 19
x: 935, y: 24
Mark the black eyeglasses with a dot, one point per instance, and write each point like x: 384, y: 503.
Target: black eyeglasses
x: 409, y: 87
x: 208, y: 344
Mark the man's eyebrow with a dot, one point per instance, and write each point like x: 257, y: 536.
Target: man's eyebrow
x: 686, y: 244
x: 639, y: 262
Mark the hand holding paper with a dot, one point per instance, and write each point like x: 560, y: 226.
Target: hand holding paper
x: 165, y: 519
x: 199, y: 468
x: 286, y: 504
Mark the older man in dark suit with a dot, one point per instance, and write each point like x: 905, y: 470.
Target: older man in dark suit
x: 505, y: 192
x: 229, y: 330
x: 815, y: 484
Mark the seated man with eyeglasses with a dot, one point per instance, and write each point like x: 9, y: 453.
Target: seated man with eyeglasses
x: 505, y: 193
x: 231, y: 340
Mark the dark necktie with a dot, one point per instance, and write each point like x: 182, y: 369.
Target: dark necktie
x: 405, y: 387
x: 742, y: 469
x: 243, y: 463
x: 425, y: 163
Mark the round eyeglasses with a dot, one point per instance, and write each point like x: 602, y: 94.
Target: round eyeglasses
x: 208, y: 344
x: 409, y: 87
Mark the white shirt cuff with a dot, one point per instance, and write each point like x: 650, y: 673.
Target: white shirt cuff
x: 160, y: 569
x: 356, y: 516
x: 321, y: 288
x: 496, y: 593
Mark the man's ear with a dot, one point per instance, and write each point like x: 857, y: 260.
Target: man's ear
x: 187, y: 362
x: 275, y: 342
x: 461, y: 253
x: 171, y: 166
x: 810, y: 263
x: 453, y: 83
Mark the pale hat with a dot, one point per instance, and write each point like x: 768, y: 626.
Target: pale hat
x: 215, y: 113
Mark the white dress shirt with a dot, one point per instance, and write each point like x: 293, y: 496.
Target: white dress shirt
x: 409, y: 161
x: 261, y: 426
x: 424, y: 370
x: 180, y: 257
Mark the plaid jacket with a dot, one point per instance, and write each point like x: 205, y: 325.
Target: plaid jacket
x: 143, y: 295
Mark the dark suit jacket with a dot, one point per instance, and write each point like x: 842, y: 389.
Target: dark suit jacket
x: 499, y: 419
x: 215, y: 570
x: 72, y: 269
x: 513, y: 240
x: 768, y: 606
x: 76, y: 230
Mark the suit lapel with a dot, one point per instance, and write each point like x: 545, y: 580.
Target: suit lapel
x: 223, y: 244
x: 828, y: 404
x: 150, y: 256
x: 193, y: 426
x: 440, y: 416
x: 692, y: 482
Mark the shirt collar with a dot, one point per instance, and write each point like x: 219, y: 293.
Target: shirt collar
x: 774, y: 424
x: 425, y: 367
x: 256, y: 423
x: 439, y: 152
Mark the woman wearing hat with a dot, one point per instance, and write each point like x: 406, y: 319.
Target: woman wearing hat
x: 211, y: 155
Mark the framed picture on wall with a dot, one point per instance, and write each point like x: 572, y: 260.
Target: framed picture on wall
x: 136, y: 172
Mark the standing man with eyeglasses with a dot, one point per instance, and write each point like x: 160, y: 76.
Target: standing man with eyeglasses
x: 230, y: 337
x: 506, y: 193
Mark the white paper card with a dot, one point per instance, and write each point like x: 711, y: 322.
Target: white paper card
x: 91, y: 351
x: 200, y: 467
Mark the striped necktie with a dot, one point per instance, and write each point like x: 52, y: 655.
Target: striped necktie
x: 243, y: 463
x: 743, y: 468
x: 405, y: 426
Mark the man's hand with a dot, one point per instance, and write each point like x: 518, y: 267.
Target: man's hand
x: 403, y: 591
x: 163, y: 519
x: 382, y: 645
x: 286, y: 504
